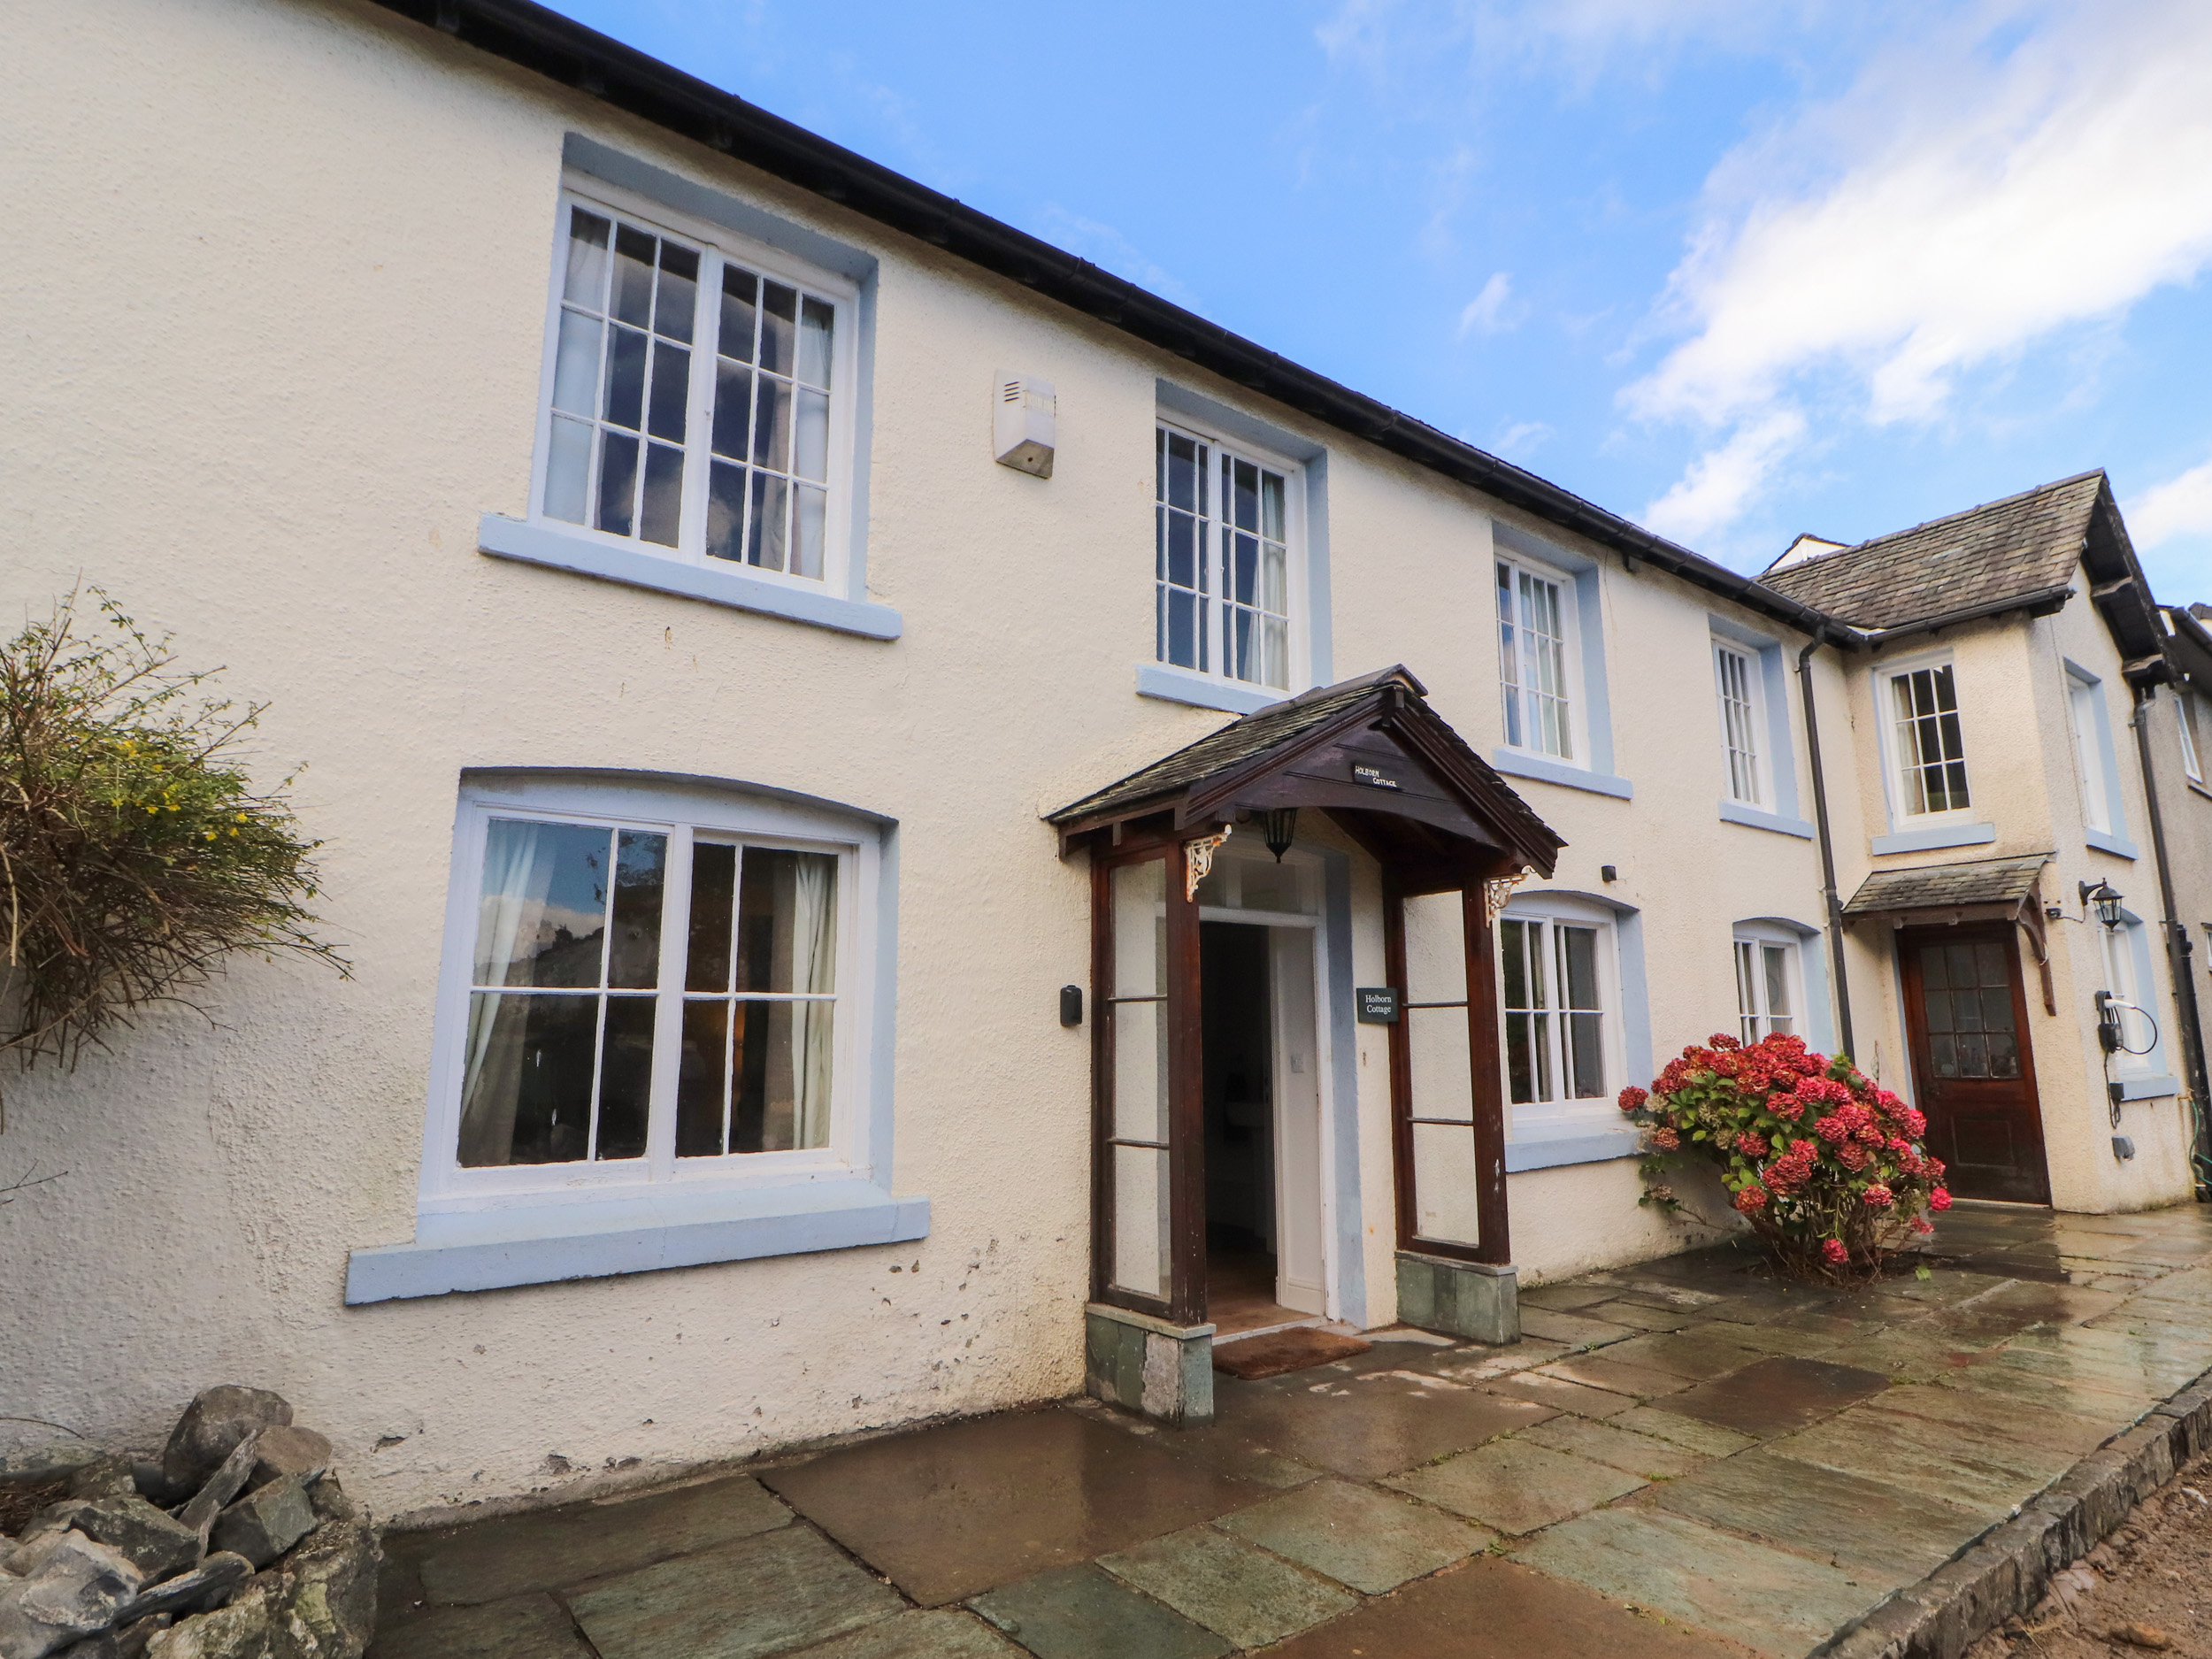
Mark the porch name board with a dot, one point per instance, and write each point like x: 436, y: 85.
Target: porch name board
x: 1377, y: 1005
x: 1374, y: 777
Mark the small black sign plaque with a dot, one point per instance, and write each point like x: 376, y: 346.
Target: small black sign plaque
x: 1374, y: 778
x: 1377, y: 1005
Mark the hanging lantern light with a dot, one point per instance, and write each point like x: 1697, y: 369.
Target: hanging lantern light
x: 2107, y: 900
x: 1282, y: 829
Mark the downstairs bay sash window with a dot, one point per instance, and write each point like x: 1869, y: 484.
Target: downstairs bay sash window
x: 697, y: 399
x: 1767, y: 996
x: 648, y: 1002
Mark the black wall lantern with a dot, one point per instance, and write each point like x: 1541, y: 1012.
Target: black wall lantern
x: 1282, y: 829
x: 2107, y: 900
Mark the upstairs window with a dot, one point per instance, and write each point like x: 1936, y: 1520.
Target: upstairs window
x: 1737, y: 683
x: 1224, y: 557
x: 1535, y: 641
x: 697, y: 396
x: 1929, y: 752
x: 2083, y: 703
x: 2184, y: 702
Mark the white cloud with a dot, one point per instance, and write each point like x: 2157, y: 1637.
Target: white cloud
x: 1521, y: 440
x: 1491, y: 311
x: 1713, y: 492
x: 1977, y: 191
x: 2180, y: 506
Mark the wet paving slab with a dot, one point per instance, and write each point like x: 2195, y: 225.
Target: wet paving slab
x: 948, y: 1512
x: 1686, y: 1457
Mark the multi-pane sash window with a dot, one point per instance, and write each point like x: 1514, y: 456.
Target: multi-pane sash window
x: 1533, y: 662
x: 598, y: 948
x: 1931, y: 755
x: 1732, y: 672
x: 1221, y: 561
x: 1764, y: 1005
x: 692, y: 399
x: 2189, y: 761
x: 1553, y: 1011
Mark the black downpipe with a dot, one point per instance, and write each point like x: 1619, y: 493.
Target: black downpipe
x: 1827, y: 847
x: 2177, y: 949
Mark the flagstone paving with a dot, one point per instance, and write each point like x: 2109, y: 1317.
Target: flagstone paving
x: 1685, y: 1458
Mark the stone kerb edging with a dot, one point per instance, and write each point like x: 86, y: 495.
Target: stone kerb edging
x: 2007, y: 1570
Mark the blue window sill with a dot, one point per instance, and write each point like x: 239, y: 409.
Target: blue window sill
x: 556, y: 550
x: 2120, y: 845
x: 1171, y: 684
x: 1598, y: 1146
x: 1753, y: 817
x: 2155, y: 1087
x: 1928, y: 839
x: 1518, y: 764
x: 497, y: 1250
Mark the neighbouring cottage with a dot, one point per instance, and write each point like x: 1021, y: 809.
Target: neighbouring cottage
x: 856, y: 912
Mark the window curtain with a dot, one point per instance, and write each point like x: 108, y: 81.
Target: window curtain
x: 516, y: 882
x: 814, y: 972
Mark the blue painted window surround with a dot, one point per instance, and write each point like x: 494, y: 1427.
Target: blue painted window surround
x: 840, y: 604
x: 1929, y: 840
x: 497, y: 1227
x: 1594, y: 771
x: 2099, y: 763
x: 1780, y: 811
x: 1311, y: 617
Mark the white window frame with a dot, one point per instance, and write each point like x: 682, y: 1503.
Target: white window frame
x: 2184, y: 705
x: 1548, y: 1119
x: 2083, y: 700
x: 716, y: 244
x: 1573, y: 690
x: 677, y: 811
x: 1743, y: 769
x: 1298, y: 617
x: 1754, y: 1017
x: 1893, y: 764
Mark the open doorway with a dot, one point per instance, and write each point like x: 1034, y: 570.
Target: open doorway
x: 1262, y: 1113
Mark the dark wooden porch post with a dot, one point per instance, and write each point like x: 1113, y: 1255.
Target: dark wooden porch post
x: 1486, y: 1073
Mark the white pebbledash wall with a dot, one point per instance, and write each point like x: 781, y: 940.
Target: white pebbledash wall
x: 277, y: 307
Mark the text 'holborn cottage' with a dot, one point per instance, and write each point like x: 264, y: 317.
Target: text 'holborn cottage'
x: 884, y: 787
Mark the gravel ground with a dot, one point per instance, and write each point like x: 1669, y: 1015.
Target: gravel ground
x: 2145, y: 1589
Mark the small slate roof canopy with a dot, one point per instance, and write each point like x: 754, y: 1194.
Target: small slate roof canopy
x: 2002, y: 881
x: 2023, y: 553
x: 1369, y: 752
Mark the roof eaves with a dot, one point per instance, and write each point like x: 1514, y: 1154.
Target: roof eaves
x: 542, y: 41
x: 2042, y: 601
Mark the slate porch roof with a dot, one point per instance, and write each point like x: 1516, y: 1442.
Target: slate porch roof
x: 2024, y: 545
x: 1252, y: 736
x: 1946, y: 886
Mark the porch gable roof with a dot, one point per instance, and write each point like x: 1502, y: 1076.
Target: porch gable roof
x: 1204, y: 781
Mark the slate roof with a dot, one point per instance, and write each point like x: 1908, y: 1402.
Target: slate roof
x: 1251, y: 736
x: 1944, y: 886
x: 2023, y: 545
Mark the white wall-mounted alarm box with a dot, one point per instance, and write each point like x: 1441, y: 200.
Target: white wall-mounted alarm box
x: 1023, y: 417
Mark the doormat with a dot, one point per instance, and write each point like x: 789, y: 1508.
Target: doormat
x: 1283, y: 1351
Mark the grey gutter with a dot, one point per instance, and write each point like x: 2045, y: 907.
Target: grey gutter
x: 2041, y: 602
x: 542, y: 41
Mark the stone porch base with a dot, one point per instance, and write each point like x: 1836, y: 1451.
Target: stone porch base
x: 1147, y: 1365
x: 1464, y: 1298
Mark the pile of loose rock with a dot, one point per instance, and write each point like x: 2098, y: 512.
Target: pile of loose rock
x: 233, y: 1542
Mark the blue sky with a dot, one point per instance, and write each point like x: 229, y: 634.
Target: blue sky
x: 1733, y: 268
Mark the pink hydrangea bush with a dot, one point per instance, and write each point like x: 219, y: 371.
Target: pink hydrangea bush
x: 1828, y: 1170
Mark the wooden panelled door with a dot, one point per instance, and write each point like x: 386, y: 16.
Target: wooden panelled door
x: 1966, y: 1017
